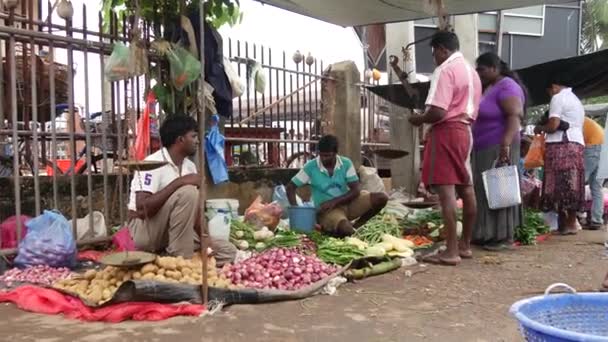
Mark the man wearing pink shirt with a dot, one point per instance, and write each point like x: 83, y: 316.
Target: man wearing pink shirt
x: 451, y: 108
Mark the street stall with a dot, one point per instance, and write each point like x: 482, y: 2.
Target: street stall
x: 278, y: 259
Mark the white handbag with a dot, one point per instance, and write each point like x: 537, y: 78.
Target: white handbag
x: 502, y: 186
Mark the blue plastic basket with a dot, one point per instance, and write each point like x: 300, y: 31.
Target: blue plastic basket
x: 563, y: 317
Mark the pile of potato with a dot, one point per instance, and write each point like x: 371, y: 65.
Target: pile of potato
x: 99, y: 286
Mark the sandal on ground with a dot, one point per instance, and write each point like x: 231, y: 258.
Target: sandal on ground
x: 437, y: 260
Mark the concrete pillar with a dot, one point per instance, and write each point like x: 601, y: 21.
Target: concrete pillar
x: 341, y: 114
x: 467, y: 29
x: 404, y: 171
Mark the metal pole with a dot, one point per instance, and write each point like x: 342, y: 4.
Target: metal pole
x: 499, y: 31
x: 88, y: 123
x: 201, y: 159
x: 13, y: 87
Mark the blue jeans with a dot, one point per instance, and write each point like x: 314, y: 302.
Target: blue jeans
x: 592, y: 164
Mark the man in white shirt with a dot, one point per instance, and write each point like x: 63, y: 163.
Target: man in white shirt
x: 163, y: 205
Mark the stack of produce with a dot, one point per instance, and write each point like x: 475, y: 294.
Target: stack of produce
x: 419, y: 240
x: 429, y: 224
x: 100, y: 286
x: 373, y: 231
x: 534, y: 225
x: 339, y: 252
x: 390, y: 245
x: 278, y: 268
x: 246, y: 236
x: 40, y: 275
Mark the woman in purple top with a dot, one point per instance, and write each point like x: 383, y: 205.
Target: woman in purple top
x: 496, y: 140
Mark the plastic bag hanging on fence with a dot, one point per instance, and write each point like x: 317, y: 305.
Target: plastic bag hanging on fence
x: 235, y: 83
x: 49, y: 241
x: 214, y: 151
x: 126, y: 61
x: 117, y: 67
x: 142, y: 141
x: 255, y: 73
x: 185, y: 68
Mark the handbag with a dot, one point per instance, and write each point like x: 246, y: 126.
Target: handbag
x: 501, y: 185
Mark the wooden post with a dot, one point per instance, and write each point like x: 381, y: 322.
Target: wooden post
x: 201, y: 162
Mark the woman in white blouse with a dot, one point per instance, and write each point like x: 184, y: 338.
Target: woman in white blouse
x: 564, y: 174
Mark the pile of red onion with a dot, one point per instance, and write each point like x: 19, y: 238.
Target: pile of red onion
x: 278, y: 268
x: 41, y: 275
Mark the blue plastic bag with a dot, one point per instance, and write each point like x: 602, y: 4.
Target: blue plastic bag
x: 49, y: 241
x: 214, y: 148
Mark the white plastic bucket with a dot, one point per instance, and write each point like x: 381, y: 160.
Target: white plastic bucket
x: 219, y: 226
x: 230, y: 205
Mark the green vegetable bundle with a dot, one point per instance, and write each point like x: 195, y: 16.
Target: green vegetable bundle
x: 533, y: 226
x: 374, y: 229
x: 285, y: 239
x: 336, y: 251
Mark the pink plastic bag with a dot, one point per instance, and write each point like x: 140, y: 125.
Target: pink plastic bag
x: 8, y: 231
x: 260, y: 214
x: 123, y: 241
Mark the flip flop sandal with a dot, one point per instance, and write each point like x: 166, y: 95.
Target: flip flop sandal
x: 437, y: 260
x: 499, y: 247
x: 466, y: 255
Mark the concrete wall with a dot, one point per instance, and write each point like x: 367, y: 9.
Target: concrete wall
x: 245, y: 185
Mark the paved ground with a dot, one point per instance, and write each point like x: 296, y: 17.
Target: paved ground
x: 465, y: 303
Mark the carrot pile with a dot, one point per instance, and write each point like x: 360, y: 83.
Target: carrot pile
x: 418, y: 240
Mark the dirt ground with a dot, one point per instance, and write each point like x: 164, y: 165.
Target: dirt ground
x: 465, y: 303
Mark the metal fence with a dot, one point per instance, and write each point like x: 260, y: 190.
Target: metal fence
x: 63, y: 127
x: 273, y: 127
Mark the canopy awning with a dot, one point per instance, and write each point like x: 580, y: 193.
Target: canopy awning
x: 586, y: 74
x: 366, y: 12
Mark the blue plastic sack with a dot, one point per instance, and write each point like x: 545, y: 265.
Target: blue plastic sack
x: 214, y: 148
x: 49, y: 241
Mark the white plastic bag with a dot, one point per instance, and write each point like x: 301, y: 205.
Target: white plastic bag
x: 369, y: 179
x: 235, y: 82
x: 280, y: 197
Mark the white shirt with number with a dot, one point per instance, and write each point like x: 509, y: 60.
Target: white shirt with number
x: 566, y: 106
x: 155, y: 180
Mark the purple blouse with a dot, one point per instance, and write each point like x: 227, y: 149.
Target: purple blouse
x: 490, y: 125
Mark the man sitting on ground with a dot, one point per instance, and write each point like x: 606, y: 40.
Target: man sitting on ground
x: 336, y: 190
x: 163, y: 205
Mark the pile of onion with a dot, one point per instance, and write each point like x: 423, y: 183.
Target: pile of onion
x: 278, y: 268
x: 41, y: 275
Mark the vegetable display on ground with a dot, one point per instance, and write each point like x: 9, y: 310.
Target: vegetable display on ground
x: 100, y: 286
x: 278, y: 268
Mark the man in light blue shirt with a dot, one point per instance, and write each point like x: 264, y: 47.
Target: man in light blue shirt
x: 336, y: 190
